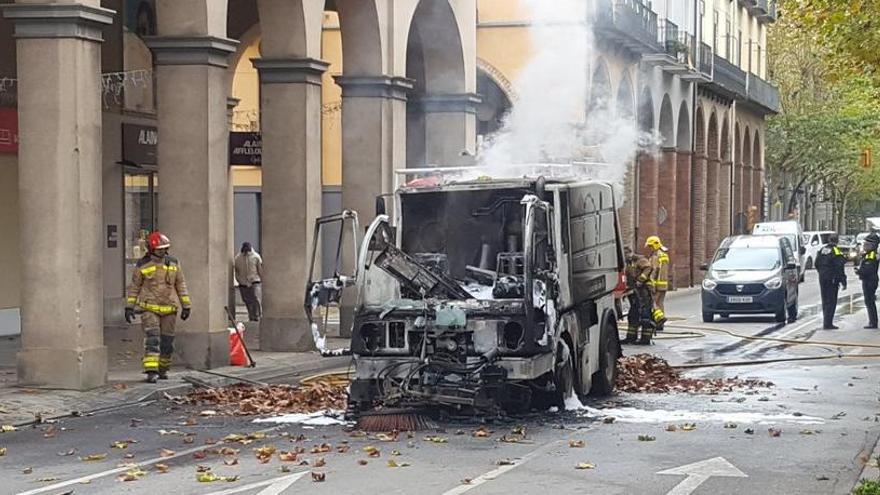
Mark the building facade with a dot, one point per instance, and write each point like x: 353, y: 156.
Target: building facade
x: 119, y: 114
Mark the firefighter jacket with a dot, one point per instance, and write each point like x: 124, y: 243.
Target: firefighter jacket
x: 660, y: 269
x: 867, y: 269
x: 638, y: 271
x: 154, y: 284
x: 829, y: 264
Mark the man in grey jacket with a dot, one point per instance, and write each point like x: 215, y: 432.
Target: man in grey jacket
x: 249, y: 275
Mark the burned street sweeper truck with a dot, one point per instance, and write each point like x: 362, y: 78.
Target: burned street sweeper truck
x: 480, y: 295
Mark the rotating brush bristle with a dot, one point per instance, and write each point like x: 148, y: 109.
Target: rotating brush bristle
x: 394, y: 419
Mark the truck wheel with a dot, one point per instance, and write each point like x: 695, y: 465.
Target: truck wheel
x: 708, y: 317
x: 563, y: 375
x: 609, y: 351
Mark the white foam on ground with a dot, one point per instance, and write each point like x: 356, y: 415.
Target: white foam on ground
x: 320, y: 418
x: 635, y: 415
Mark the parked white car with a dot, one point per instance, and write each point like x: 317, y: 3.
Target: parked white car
x: 813, y: 242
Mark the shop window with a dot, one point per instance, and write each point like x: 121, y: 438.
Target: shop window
x: 141, y: 194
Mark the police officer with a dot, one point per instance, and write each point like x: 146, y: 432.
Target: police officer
x: 638, y: 275
x: 867, y: 272
x: 156, y: 282
x: 829, y: 264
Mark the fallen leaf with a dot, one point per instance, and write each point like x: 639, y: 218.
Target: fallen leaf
x: 730, y: 426
x: 519, y: 430
x: 119, y: 445
x: 318, y: 477
x: 190, y: 422
x: 384, y: 437
x: 288, y: 456
x: 228, y: 451
x: 585, y: 465
x: 576, y: 444
x: 822, y: 477
x: 395, y: 452
x: 128, y: 456
x: 48, y: 479
x: 231, y: 461
x: 69, y: 452
x: 482, y: 432
x: 93, y: 457
x: 132, y: 475
x: 609, y: 419
x: 372, y: 451
x: 207, y: 477
x: 510, y: 439
x: 120, y: 386
x: 27, y: 470
x: 320, y: 462
x: 284, y: 468
x: 170, y: 432
x: 362, y: 462
x: 50, y: 432
x: 7, y: 428
x: 671, y: 428
x: 199, y: 455
x: 466, y: 481
x: 646, y: 438
x: 2, y: 451
x: 394, y: 464
x: 167, y: 453
x: 749, y: 431
x: 188, y: 440
x: 436, y: 439
x: 358, y: 434
x: 807, y: 432
x: 201, y: 468
x: 774, y: 432
x: 208, y: 412
x: 162, y: 468
x: 505, y: 462
x: 689, y: 427
x: 342, y: 449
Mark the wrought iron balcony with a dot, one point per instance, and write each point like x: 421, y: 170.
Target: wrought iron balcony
x: 706, y: 61
x: 762, y: 93
x: 628, y: 22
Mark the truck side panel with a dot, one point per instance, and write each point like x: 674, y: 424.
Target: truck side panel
x: 594, y: 244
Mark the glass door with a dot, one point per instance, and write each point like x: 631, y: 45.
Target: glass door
x: 140, y: 190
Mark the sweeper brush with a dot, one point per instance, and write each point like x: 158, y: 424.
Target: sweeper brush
x: 394, y: 419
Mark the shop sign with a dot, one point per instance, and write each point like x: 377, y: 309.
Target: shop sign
x: 8, y: 130
x: 139, y: 143
x: 245, y: 148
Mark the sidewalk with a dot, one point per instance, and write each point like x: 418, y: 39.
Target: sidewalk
x: 125, y: 385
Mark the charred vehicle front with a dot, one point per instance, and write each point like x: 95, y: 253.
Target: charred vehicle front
x: 481, y: 295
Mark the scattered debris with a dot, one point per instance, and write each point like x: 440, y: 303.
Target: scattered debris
x: 362, y: 462
x: 730, y: 426
x: 27, y: 470
x: 774, y: 432
x: 264, y: 454
x: 576, y: 444
x: 249, y: 400
x: 93, y: 457
x: 167, y: 453
x: 132, y: 475
x: 609, y: 419
x: 318, y: 477
x: 652, y: 374
x: 749, y: 431
x: 646, y: 438
x: 208, y: 477
x: 839, y: 415
x: 689, y: 427
x: 320, y: 462
x: 671, y: 428
x: 372, y: 451
x: 482, y: 432
x: 394, y: 464
x: 162, y: 468
x: 505, y: 462
x: 585, y: 465
x: 2, y: 451
x: 48, y: 479
x: 288, y: 456
x: 67, y: 453
x: 7, y: 428
x: 438, y: 439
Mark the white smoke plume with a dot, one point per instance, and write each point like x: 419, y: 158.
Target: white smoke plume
x: 550, y: 122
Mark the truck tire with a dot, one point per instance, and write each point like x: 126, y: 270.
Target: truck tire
x: 609, y: 351
x: 563, y: 376
x: 708, y: 317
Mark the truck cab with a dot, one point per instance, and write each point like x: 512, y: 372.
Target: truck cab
x: 482, y: 295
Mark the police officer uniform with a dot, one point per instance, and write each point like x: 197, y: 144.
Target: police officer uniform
x: 829, y: 264
x: 867, y: 272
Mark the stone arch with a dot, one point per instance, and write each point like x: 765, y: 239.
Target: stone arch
x: 139, y: 23
x: 737, y: 144
x: 191, y: 18
x: 624, y: 102
x: 498, y: 78
x: 646, y: 111
x: 494, y: 105
x: 756, y: 154
x: 746, y: 154
x: 666, y: 125
x: 712, y: 150
x: 725, y: 141
x: 362, y: 44
x: 434, y: 53
x: 291, y: 28
x: 600, y: 87
x: 683, y: 129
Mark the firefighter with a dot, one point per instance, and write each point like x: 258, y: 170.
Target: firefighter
x: 638, y: 274
x: 867, y: 272
x: 157, y: 278
x: 829, y: 264
x: 659, y: 281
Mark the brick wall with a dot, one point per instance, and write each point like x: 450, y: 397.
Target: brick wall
x: 700, y: 215
x: 681, y: 248
x: 713, y: 208
x: 666, y: 199
x: 648, y: 183
x: 724, y: 200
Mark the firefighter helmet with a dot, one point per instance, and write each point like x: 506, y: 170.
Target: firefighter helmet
x: 158, y: 240
x: 653, y: 242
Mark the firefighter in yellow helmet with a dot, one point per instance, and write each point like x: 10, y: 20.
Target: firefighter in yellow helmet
x: 638, y: 274
x: 156, y: 280
x: 659, y: 282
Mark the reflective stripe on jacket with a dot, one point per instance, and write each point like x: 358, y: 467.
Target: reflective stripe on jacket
x: 660, y: 269
x: 157, y: 284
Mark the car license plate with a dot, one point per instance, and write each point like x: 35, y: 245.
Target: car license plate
x: 739, y: 299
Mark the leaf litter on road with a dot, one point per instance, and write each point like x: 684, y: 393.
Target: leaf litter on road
x: 647, y: 373
x: 248, y: 400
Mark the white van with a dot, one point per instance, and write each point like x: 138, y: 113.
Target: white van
x: 813, y: 242
x: 790, y: 229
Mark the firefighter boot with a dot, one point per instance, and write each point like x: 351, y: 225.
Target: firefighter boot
x: 166, y: 349
x: 151, y: 367
x: 659, y: 318
x: 151, y: 354
x: 632, y: 333
x: 647, y: 335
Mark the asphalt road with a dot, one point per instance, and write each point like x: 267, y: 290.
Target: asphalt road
x: 825, y: 412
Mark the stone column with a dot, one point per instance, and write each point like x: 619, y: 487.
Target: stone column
x: 290, y: 99
x: 666, y: 199
x: 738, y: 196
x: 713, y: 207
x: 231, y: 103
x: 648, y: 183
x: 758, y: 191
x: 700, y: 217
x: 450, y: 128
x: 193, y: 184
x: 725, y: 200
x: 681, y: 248
x: 60, y: 192
x: 747, y: 200
x: 373, y: 146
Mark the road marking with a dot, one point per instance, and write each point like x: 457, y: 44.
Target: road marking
x: 276, y: 485
x: 491, y: 475
x: 110, y: 472
x: 698, y: 472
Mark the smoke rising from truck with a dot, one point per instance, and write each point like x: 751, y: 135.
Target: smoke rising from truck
x: 560, y: 116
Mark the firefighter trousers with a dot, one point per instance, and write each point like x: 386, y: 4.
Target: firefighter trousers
x: 158, y: 340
